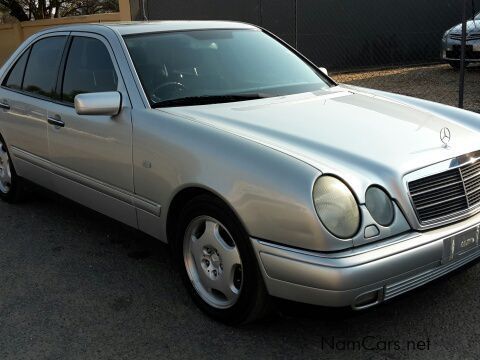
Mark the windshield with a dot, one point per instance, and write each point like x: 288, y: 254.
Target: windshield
x: 219, y: 65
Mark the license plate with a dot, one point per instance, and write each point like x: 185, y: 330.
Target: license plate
x: 461, y: 243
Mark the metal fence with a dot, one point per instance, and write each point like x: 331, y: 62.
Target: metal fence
x: 351, y: 35
x: 339, y: 34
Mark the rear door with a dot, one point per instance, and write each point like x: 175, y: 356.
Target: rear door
x: 26, y: 93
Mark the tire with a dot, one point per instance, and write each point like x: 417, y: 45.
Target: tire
x: 213, y: 253
x: 11, y: 185
x: 456, y: 64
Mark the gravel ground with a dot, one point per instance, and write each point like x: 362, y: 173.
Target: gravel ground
x: 437, y: 83
x: 77, y: 285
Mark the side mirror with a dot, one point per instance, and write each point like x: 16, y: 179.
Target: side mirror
x: 102, y: 103
x: 323, y: 70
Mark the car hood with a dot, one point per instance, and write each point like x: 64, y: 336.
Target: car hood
x: 342, y: 131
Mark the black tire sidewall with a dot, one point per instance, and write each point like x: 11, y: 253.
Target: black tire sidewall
x: 253, y: 291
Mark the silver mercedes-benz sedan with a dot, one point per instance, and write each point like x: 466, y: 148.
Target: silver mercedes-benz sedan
x: 265, y: 176
x: 452, y: 41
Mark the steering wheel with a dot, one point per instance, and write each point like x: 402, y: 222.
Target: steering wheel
x: 167, y: 89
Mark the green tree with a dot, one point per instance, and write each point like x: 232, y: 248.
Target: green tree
x: 24, y: 10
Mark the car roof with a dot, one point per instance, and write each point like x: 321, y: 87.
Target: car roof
x: 140, y: 27
x: 134, y: 27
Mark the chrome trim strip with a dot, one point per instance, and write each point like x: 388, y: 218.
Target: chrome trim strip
x: 146, y: 205
x: 115, y: 192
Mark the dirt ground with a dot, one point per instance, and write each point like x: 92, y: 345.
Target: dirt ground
x: 438, y: 83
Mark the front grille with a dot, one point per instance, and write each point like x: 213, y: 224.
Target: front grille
x: 471, y: 180
x: 446, y: 193
x: 470, y: 37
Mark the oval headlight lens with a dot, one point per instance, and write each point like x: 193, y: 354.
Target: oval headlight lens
x: 379, y: 205
x: 336, y: 207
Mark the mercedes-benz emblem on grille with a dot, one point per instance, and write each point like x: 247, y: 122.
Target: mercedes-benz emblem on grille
x: 445, y: 136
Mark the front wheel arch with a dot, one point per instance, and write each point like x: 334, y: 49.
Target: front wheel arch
x: 181, y: 199
x: 253, y: 302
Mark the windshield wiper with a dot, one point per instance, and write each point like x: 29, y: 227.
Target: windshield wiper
x: 207, y: 99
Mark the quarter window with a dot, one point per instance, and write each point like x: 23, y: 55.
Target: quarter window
x: 43, y: 64
x: 15, y: 77
x: 89, y: 69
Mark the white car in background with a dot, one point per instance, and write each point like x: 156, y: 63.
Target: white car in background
x: 452, y: 42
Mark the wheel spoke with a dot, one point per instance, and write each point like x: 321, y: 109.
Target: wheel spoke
x: 225, y: 286
x: 196, y: 246
x: 204, y: 240
x: 211, y: 234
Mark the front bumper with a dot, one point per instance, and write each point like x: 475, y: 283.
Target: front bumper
x: 451, y: 51
x: 367, y: 275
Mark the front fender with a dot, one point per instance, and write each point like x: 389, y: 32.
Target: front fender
x: 270, y: 191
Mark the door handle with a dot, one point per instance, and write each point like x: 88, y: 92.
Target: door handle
x: 4, y: 105
x: 55, y: 121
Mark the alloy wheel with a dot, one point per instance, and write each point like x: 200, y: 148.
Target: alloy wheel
x: 213, y: 262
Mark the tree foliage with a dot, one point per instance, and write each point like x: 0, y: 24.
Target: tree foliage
x: 24, y: 10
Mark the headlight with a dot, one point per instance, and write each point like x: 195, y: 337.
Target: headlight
x: 336, y: 207
x: 379, y: 205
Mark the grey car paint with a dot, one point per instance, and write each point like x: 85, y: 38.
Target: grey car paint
x: 105, y: 103
x: 262, y: 157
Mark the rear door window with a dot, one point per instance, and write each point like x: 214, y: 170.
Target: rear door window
x: 89, y: 69
x: 15, y: 77
x: 43, y: 66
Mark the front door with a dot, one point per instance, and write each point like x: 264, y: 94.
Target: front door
x: 92, y: 155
